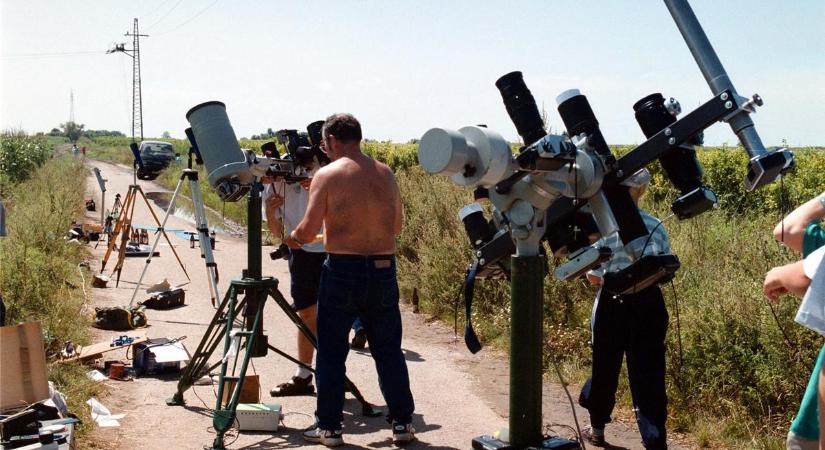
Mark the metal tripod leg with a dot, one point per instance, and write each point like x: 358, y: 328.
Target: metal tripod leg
x: 154, y: 216
x: 161, y: 229
x: 203, y: 234
x: 367, y: 409
x: 197, y: 366
x: 224, y: 415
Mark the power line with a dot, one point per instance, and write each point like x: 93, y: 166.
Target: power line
x: 164, y: 16
x: 193, y: 17
x: 51, y: 54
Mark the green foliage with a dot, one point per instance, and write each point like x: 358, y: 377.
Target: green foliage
x: 739, y: 368
x: 40, y: 276
x: 72, y: 130
x: 20, y: 156
x: 92, y: 134
x: 397, y: 156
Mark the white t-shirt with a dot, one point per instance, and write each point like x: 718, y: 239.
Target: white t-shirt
x: 811, y: 312
x: 296, y: 199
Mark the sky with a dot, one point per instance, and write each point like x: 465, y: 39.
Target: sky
x: 402, y: 67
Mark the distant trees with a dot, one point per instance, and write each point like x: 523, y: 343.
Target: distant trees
x: 269, y: 134
x: 91, y: 134
x: 166, y: 135
x: 72, y: 130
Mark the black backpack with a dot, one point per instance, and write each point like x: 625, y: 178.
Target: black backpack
x: 119, y: 318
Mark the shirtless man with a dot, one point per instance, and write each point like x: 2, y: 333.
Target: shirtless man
x: 358, y: 202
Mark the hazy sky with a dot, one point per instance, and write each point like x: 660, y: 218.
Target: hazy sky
x: 402, y: 67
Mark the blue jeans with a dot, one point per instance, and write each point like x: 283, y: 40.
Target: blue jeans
x: 366, y: 287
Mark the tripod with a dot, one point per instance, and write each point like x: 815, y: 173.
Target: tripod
x: 201, y: 226
x: 256, y: 289
x: 124, y: 226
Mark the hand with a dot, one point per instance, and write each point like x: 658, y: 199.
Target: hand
x: 305, y: 183
x: 275, y: 201
x: 594, y: 280
x: 773, y: 286
x: 291, y: 242
x: 787, y: 279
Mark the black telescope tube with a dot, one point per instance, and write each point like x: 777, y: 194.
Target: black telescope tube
x: 679, y: 163
x: 578, y: 118
x: 521, y: 107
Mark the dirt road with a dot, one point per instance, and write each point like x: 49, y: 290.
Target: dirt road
x: 458, y: 395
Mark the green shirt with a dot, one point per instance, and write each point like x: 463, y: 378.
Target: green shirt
x: 806, y: 423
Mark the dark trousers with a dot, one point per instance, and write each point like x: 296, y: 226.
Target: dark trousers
x: 352, y: 287
x: 634, y: 325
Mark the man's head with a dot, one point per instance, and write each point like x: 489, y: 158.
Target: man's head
x: 341, y: 133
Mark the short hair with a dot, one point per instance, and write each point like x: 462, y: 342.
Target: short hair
x: 343, y: 126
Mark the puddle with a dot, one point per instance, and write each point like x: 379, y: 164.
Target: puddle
x: 184, y: 209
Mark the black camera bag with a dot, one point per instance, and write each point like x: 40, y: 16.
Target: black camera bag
x: 166, y: 300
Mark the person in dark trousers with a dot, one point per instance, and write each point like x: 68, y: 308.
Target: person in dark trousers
x: 631, y: 325
x: 359, y: 204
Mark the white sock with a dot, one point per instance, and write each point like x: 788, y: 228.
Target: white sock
x: 302, y: 372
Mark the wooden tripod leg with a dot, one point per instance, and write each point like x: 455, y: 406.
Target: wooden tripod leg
x: 121, y: 218
x: 127, y: 231
x: 160, y: 228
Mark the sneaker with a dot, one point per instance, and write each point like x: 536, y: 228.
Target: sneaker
x: 297, y: 386
x: 594, y: 436
x: 402, y: 433
x: 359, y: 341
x: 324, y: 437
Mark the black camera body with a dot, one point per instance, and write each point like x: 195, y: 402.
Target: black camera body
x: 282, y: 252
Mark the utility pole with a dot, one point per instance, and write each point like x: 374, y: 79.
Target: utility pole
x: 137, y: 100
x: 71, y: 105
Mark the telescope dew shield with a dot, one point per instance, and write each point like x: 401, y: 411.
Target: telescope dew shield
x: 222, y: 156
x: 136, y: 153
x: 100, y: 181
x: 476, y: 226
x: 521, y: 107
x: 680, y: 163
x: 471, y: 156
x: 578, y: 118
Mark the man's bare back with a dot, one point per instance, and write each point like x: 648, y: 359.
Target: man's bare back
x: 363, y: 213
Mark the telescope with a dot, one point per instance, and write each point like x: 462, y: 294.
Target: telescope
x: 569, y: 189
x: 231, y: 170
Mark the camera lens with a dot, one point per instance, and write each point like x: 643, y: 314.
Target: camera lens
x: 521, y: 106
x: 314, y: 132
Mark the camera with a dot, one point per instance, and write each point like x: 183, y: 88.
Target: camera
x: 282, y: 252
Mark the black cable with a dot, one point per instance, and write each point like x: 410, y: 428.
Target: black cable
x: 570, y: 400
x: 678, y: 325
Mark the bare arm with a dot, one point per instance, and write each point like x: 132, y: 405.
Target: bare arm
x: 787, y: 279
x: 795, y: 223
x: 399, y: 208
x: 316, y: 211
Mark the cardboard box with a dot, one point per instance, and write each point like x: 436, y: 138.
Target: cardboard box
x: 250, y: 391
x: 22, y: 366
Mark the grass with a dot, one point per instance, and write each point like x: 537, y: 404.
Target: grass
x: 40, y: 278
